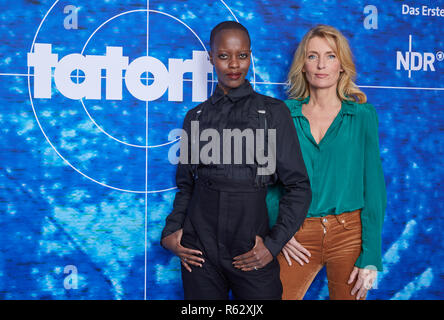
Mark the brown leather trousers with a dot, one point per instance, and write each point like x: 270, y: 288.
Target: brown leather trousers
x: 333, y: 241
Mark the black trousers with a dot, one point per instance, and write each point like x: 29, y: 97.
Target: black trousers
x: 222, y: 221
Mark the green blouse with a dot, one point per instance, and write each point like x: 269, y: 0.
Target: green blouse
x: 345, y: 172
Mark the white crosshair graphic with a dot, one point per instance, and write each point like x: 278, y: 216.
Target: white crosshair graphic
x: 146, y: 146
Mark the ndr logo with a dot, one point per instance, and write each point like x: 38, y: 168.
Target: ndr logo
x: 416, y: 61
x: 114, y: 62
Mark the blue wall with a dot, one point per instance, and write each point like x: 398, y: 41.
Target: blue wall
x: 91, y: 196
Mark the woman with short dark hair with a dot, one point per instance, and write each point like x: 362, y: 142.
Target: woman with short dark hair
x: 219, y: 223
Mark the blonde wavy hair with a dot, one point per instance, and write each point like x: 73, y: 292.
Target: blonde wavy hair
x: 346, y: 88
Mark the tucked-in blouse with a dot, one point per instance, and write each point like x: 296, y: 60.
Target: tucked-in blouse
x: 345, y: 171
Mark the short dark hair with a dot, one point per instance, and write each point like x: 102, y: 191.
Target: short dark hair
x: 227, y: 25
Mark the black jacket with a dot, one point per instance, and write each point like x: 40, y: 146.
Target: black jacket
x: 241, y: 109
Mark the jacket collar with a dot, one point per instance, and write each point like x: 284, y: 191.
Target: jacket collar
x: 234, y: 95
x: 347, y: 107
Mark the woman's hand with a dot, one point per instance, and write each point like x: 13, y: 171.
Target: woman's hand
x: 366, y: 278
x: 187, y: 256
x: 256, y: 258
x: 296, y: 251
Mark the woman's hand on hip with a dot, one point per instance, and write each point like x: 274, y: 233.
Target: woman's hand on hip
x: 295, y: 250
x: 256, y: 258
x: 187, y: 256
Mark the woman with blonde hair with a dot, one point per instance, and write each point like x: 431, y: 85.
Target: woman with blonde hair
x: 338, y: 134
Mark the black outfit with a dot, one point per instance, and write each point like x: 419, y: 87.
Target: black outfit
x: 221, y: 207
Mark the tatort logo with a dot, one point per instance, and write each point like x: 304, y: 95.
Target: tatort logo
x: 416, y: 61
x: 114, y: 62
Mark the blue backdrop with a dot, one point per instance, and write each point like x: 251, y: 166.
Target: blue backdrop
x: 85, y: 185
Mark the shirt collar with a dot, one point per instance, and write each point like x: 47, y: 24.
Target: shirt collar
x: 234, y: 95
x: 347, y: 107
